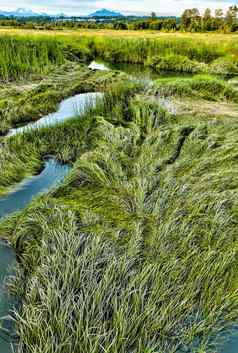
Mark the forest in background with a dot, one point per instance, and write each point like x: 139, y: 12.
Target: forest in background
x: 190, y: 21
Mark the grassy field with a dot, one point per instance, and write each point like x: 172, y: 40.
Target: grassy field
x: 180, y: 52
x: 116, y: 250
x: 136, y: 251
x: 121, y: 33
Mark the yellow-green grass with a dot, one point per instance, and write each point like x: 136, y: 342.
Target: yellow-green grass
x: 115, y: 252
x: 121, y: 33
x: 181, y: 52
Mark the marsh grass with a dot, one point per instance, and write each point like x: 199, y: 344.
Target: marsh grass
x: 21, y: 57
x: 163, y: 54
x: 22, y: 153
x: 19, y: 107
x: 199, y: 86
x: 136, y: 251
x: 110, y: 261
x: 24, y: 55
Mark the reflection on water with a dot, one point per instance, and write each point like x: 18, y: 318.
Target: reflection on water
x: 95, y: 65
x: 7, y: 262
x: 138, y: 71
x: 30, y: 187
x: 68, y: 108
x: 53, y: 173
x: 230, y: 342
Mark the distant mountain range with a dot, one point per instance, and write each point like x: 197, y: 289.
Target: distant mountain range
x: 105, y: 13
x: 23, y: 12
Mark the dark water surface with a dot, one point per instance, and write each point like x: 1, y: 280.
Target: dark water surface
x: 52, y: 174
x: 138, y: 71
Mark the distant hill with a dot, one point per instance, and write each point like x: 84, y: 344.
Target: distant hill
x: 23, y: 12
x: 105, y: 13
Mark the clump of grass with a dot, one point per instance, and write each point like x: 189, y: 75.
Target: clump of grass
x: 224, y: 66
x: 21, y: 57
x: 176, y: 63
x: 111, y: 260
x: 200, y: 86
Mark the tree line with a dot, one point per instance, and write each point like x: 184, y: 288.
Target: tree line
x: 191, y: 21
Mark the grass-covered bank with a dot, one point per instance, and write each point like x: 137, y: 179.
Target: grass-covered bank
x: 204, y: 96
x: 111, y: 260
x: 202, y: 53
x: 199, y: 87
x: 21, y: 57
x: 22, y: 154
x: 24, y: 102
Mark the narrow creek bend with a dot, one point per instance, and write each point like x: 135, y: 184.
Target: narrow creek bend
x: 52, y: 174
x: 20, y: 197
x: 68, y: 108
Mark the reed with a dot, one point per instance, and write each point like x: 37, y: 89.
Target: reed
x: 21, y: 57
x: 200, y: 86
x: 111, y: 259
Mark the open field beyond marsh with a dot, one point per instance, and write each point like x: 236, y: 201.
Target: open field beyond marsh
x: 122, y: 33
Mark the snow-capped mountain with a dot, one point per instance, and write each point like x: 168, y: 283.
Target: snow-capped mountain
x: 24, y: 12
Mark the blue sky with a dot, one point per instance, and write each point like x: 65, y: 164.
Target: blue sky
x: 73, y: 7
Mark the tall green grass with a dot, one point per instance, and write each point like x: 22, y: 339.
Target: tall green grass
x: 138, y: 50
x: 171, y: 54
x: 21, y: 57
x: 110, y: 261
x: 200, y: 86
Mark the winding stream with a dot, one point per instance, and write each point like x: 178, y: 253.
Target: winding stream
x: 51, y: 175
x: 68, y: 108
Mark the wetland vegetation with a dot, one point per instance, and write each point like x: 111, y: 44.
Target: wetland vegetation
x: 135, y: 251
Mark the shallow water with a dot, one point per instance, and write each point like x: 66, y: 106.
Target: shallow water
x: 7, y: 262
x: 30, y: 187
x: 138, y: 71
x: 230, y: 344
x: 95, y: 65
x: 68, y: 108
x: 51, y: 175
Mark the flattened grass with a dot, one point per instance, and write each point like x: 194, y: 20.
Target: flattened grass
x: 111, y: 260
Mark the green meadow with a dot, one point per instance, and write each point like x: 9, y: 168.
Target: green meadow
x: 136, y: 250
